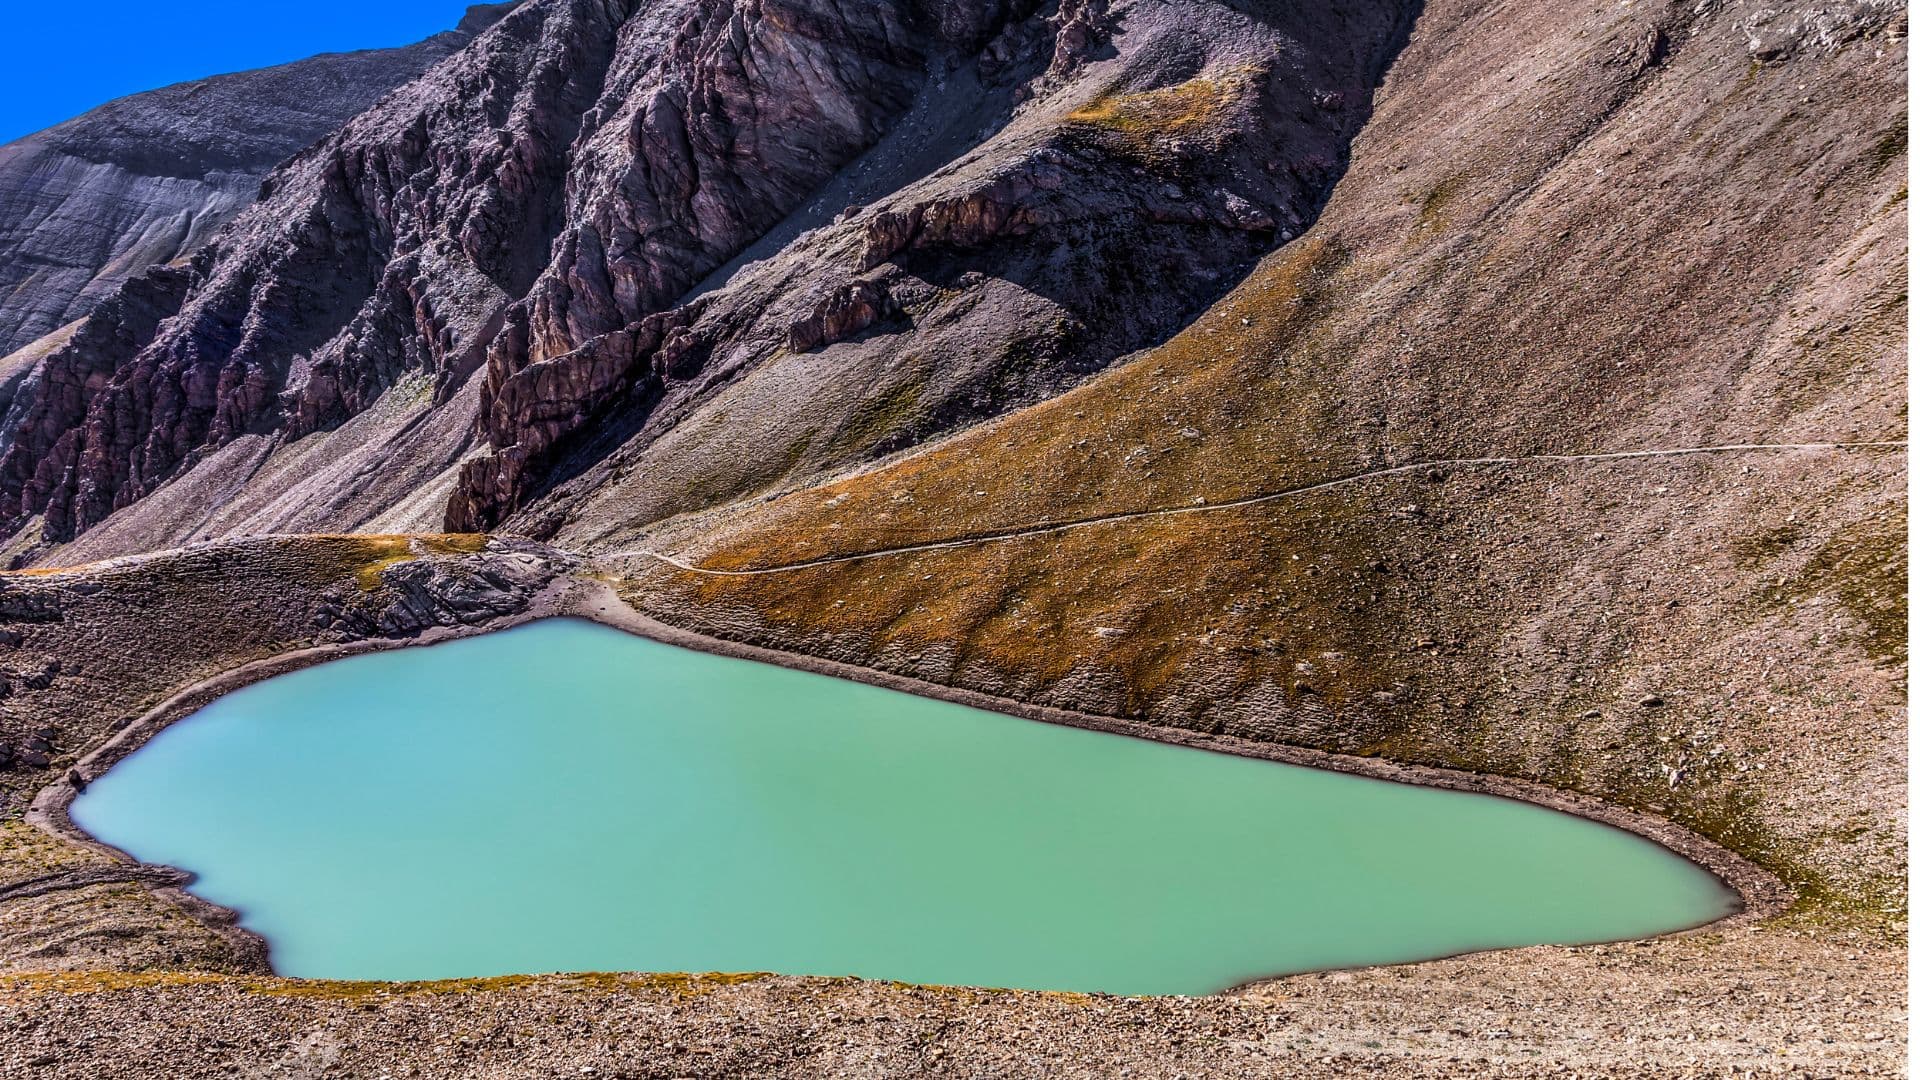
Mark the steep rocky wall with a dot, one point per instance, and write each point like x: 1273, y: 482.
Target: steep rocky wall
x: 1079, y: 188
x: 315, y: 299
x: 607, y: 244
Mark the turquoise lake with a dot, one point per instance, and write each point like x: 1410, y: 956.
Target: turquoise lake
x: 566, y: 797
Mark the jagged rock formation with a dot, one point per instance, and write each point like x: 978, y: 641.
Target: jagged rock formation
x: 418, y: 594
x: 150, y: 178
x: 571, y: 250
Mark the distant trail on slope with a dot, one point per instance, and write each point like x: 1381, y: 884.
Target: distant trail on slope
x: 1046, y: 528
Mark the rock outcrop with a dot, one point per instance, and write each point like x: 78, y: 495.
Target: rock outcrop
x: 422, y: 593
x: 150, y: 178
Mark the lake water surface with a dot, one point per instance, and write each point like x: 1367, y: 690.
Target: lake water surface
x: 566, y: 797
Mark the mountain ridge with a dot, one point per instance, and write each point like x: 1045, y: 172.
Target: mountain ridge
x: 150, y: 177
x: 436, y: 282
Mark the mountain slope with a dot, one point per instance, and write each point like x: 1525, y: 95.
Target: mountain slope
x: 1566, y: 231
x: 909, y: 216
x: 151, y: 177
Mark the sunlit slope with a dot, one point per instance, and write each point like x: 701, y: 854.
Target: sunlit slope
x: 1565, y: 231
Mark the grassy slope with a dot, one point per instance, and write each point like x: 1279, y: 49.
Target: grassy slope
x: 1556, y: 236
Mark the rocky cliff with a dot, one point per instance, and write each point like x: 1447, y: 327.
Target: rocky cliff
x: 149, y: 178
x: 607, y: 242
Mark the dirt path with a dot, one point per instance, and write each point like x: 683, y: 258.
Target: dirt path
x: 1045, y: 528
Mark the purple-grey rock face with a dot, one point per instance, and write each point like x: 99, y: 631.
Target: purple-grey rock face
x: 615, y: 261
x: 149, y: 178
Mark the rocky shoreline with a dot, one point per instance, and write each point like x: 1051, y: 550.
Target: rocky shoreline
x: 1760, y: 894
x: 1479, y: 1012
x: 50, y: 809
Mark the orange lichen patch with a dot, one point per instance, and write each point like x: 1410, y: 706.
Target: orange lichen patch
x: 372, y: 554
x: 29, y: 852
x: 678, y: 984
x: 453, y: 543
x: 1190, y: 108
x: 362, y: 554
x: 1209, y: 415
x: 84, y: 982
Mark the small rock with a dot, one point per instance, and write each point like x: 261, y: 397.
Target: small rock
x: 34, y: 759
x: 1652, y: 701
x: 6, y: 753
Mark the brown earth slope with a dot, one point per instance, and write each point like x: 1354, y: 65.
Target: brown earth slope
x: 118, y: 977
x: 1565, y: 231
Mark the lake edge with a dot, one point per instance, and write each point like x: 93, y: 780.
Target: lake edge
x: 1755, y: 892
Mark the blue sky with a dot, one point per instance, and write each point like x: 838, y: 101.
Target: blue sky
x: 59, y: 58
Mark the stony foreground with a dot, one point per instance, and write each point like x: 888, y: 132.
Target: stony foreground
x: 1760, y: 1004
